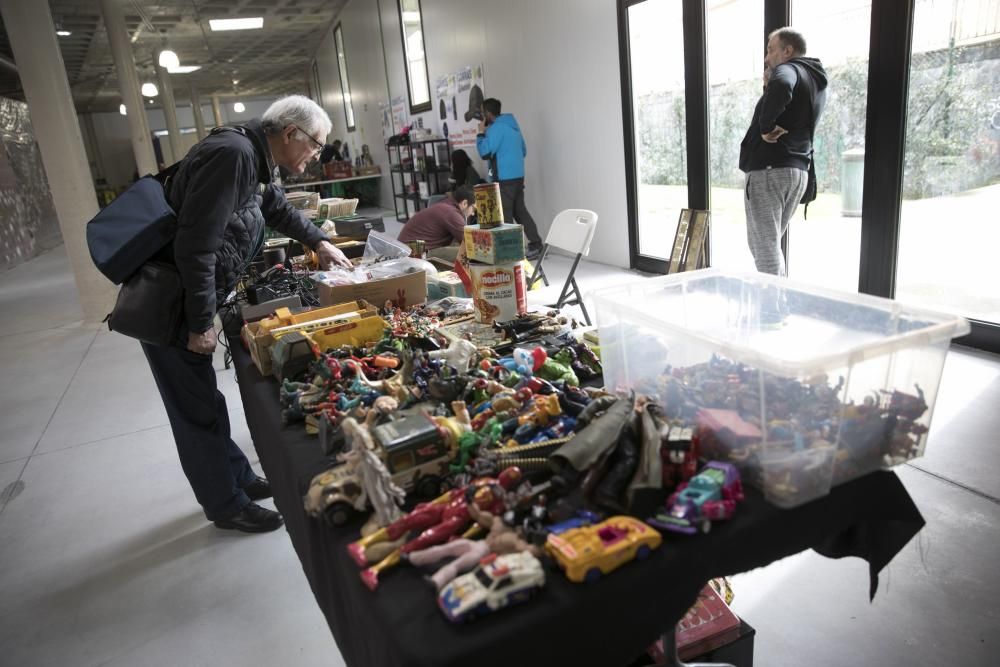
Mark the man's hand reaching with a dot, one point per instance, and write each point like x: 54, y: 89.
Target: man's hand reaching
x: 330, y: 256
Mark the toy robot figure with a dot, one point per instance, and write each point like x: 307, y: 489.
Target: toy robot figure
x: 439, y: 521
x: 376, y: 480
x: 680, y: 455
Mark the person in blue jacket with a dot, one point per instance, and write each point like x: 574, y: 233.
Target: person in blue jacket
x: 501, y: 142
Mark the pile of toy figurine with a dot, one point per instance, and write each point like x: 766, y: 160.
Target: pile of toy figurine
x: 486, y: 467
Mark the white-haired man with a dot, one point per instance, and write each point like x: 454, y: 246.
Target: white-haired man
x: 223, y: 194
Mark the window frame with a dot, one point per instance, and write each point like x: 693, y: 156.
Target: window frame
x: 423, y: 106
x: 345, y: 77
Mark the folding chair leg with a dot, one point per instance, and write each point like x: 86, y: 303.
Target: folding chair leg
x: 539, y: 272
x: 569, y: 281
x: 579, y: 301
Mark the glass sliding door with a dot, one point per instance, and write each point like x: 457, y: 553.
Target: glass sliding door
x: 949, y: 232
x: 735, y: 62
x: 825, y: 247
x: 655, y: 46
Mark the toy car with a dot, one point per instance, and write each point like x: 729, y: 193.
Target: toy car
x: 711, y: 495
x: 498, y: 581
x: 587, y: 553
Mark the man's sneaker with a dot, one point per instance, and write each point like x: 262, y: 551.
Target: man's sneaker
x: 532, y: 252
x: 259, y: 489
x: 251, y: 519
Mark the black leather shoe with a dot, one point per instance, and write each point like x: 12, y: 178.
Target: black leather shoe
x: 259, y: 489
x: 252, y: 519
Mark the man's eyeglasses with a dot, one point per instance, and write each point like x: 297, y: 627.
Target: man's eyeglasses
x: 317, y: 145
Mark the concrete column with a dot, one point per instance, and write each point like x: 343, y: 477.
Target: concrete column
x: 128, y: 82
x: 216, y: 110
x: 169, y: 108
x: 40, y: 65
x: 199, y: 122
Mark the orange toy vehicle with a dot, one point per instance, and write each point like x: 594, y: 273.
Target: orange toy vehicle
x: 587, y: 553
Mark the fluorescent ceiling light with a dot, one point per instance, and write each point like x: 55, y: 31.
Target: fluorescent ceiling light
x: 121, y: 110
x: 239, y: 108
x: 63, y: 33
x: 169, y: 60
x: 183, y: 69
x: 411, y: 17
x: 237, y: 24
x: 149, y: 90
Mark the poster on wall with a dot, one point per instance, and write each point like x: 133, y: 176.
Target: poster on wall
x: 468, y: 99
x: 385, y: 110
x: 399, y: 115
x: 445, y: 111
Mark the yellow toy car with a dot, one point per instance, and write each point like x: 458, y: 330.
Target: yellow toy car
x: 587, y: 553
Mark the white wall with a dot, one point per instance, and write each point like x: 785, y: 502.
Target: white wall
x: 366, y: 72
x: 553, y: 64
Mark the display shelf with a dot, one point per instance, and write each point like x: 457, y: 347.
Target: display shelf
x: 428, y: 160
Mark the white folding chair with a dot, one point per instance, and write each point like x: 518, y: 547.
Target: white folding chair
x: 572, y: 230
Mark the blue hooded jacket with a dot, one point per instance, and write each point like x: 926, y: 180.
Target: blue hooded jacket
x: 503, y: 140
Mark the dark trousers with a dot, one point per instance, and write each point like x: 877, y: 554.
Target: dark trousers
x: 214, y: 465
x: 514, y: 210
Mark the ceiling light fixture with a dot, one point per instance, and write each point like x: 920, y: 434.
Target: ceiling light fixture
x: 63, y: 33
x: 237, y: 24
x: 183, y: 69
x: 169, y: 60
x: 239, y: 108
x: 150, y: 90
x: 122, y: 110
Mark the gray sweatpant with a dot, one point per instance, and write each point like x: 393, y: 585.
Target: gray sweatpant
x: 770, y: 199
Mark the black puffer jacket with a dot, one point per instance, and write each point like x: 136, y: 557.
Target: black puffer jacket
x: 793, y: 90
x: 224, y: 196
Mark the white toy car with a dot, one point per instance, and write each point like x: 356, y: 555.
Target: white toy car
x: 497, y: 582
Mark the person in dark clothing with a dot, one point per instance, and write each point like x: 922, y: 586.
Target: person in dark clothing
x: 224, y: 196
x: 500, y: 141
x: 776, y: 152
x: 462, y: 171
x: 331, y: 152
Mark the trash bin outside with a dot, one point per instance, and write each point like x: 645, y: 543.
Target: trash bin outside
x: 852, y: 181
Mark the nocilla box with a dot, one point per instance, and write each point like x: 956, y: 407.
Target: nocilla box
x: 499, y: 292
x: 503, y: 244
x: 404, y: 291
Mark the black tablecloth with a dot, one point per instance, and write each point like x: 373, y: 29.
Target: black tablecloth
x: 606, y: 623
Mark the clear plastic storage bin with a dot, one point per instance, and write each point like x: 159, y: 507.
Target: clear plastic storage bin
x: 802, y: 387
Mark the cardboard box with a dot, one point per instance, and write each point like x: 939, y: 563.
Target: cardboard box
x: 404, y: 291
x: 284, y: 317
x: 447, y: 284
x: 503, y: 244
x: 499, y: 291
x: 259, y: 342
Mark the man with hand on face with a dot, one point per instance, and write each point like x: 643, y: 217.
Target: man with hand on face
x: 777, y: 151
x: 223, y: 194
x: 501, y: 142
x: 443, y: 224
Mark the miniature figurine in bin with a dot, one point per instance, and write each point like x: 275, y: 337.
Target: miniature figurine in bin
x: 711, y: 495
x: 585, y: 554
x: 499, y: 581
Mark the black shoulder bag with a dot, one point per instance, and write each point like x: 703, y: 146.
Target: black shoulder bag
x: 809, y: 195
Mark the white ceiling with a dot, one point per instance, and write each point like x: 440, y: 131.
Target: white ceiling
x: 267, y: 62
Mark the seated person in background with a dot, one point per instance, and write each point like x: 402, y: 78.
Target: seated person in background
x: 462, y: 171
x: 442, y: 224
x: 331, y: 152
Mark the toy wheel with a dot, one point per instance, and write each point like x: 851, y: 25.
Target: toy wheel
x: 430, y: 487
x: 337, y: 514
x: 642, y: 553
x: 593, y: 574
x: 706, y: 525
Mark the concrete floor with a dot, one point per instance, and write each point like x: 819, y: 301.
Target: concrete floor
x: 106, y: 559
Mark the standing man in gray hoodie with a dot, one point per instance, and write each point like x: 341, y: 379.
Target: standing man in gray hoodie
x: 777, y: 151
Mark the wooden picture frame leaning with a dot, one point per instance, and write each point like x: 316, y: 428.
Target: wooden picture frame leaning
x: 688, y: 250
